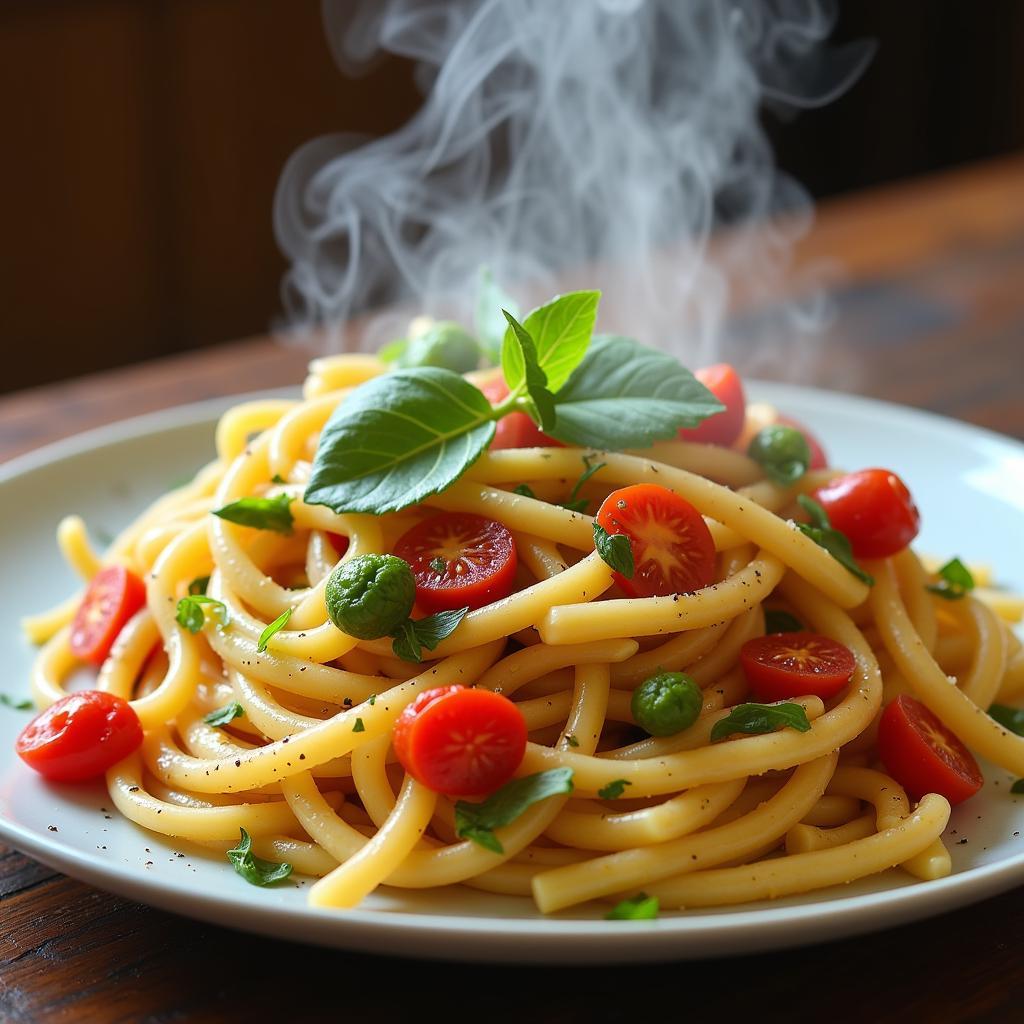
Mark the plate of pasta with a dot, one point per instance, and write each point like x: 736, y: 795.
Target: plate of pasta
x: 576, y: 657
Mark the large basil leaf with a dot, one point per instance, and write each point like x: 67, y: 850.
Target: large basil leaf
x: 561, y: 330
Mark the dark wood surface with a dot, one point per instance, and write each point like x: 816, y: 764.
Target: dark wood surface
x: 930, y: 312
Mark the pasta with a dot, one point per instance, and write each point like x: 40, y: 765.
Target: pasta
x: 307, y: 767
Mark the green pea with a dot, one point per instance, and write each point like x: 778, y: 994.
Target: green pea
x: 444, y: 344
x: 370, y: 596
x: 666, y: 703
x: 782, y: 452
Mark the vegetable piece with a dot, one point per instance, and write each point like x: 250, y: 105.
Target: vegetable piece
x: 190, y: 612
x: 339, y: 542
x: 922, y: 755
x: 615, y: 550
x: 516, y: 430
x: 444, y: 344
x: 197, y: 588
x: 260, y: 513
x: 113, y: 596
x: 835, y: 543
x: 874, y: 509
x: 614, y: 789
x: 1008, y: 718
x: 673, y: 552
x: 478, y: 821
x: 255, y: 870
x: 224, y: 715
x: 460, y: 741
x: 784, y: 665
x: 754, y: 719
x: 819, y: 460
x: 955, y: 581
x: 479, y: 557
x: 80, y: 736
x: 273, y: 628
x: 413, y: 635
x: 724, y: 427
x: 370, y: 596
x: 637, y: 908
x: 782, y: 452
x: 666, y: 703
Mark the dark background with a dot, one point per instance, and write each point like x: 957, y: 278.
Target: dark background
x: 143, y: 141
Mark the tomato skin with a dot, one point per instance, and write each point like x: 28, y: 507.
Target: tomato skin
x: 80, y: 736
x: 459, y: 741
x: 480, y: 557
x: 339, y: 542
x: 723, y: 428
x: 663, y: 528
x: 874, y: 509
x: 780, y: 666
x: 922, y: 755
x: 516, y: 430
x: 819, y: 460
x: 113, y: 596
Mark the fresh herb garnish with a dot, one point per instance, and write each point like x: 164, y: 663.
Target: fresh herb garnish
x: 261, y: 513
x: 778, y: 621
x: 955, y: 581
x: 372, y: 699
x: 278, y: 479
x: 522, y: 369
x: 256, y: 870
x: 224, y: 715
x: 614, y: 789
x: 275, y: 627
x: 576, y: 504
x: 359, y: 727
x: 415, y: 634
x: 754, y: 719
x: 637, y: 908
x: 615, y: 550
x: 572, y: 741
x: 439, y: 565
x: 835, y: 543
x: 1008, y: 718
x: 525, y: 490
x: 191, y: 615
x: 16, y: 705
x: 198, y: 585
x: 478, y: 821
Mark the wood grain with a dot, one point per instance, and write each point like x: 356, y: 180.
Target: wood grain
x: 930, y: 309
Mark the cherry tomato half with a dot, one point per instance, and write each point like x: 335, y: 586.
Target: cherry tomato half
x: 338, y: 541
x: 724, y: 427
x: 80, y: 736
x: 516, y: 430
x: 112, y: 598
x: 673, y: 552
x: 922, y: 755
x: 460, y: 742
x: 819, y: 460
x: 784, y: 665
x: 459, y: 560
x: 874, y: 509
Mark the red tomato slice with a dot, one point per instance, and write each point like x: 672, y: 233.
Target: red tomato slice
x: 874, y: 509
x: 338, y: 541
x: 922, y: 755
x: 460, y: 742
x: 516, y: 430
x: 112, y: 598
x: 673, y: 552
x: 819, y: 460
x: 724, y: 427
x: 477, y: 561
x: 80, y: 736
x: 785, y: 665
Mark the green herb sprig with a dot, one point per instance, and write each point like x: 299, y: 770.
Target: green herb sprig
x: 255, y: 870
x: 637, y: 908
x: 615, y: 550
x: 191, y: 614
x: 224, y: 715
x: 835, y: 543
x: 260, y: 513
x: 275, y: 627
x: 754, y: 719
x: 955, y: 581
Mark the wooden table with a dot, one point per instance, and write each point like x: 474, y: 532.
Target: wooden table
x: 930, y: 313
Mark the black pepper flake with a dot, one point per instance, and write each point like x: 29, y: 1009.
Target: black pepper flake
x: 302, y: 757
x: 52, y: 828
x: 961, y: 842
x: 238, y: 763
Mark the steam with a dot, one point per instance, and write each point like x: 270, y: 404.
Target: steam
x: 566, y: 143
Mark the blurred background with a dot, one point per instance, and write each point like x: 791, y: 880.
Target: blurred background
x: 143, y: 142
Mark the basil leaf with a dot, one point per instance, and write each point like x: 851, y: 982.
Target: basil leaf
x: 561, y: 331
x: 835, y: 543
x: 226, y: 714
x: 488, y: 321
x: 575, y: 504
x: 478, y: 821
x: 198, y: 585
x: 615, y: 550
x: 255, y: 870
x: 439, y: 565
x: 520, y: 366
x: 398, y: 439
x: 393, y: 350
x: 525, y: 490
x: 955, y: 581
x: 754, y: 719
x: 1018, y: 787
x: 16, y: 705
x: 191, y: 615
x: 359, y: 727
x: 1008, y: 718
x: 778, y: 621
x: 275, y: 627
x: 261, y: 513
x: 413, y: 635
x: 638, y: 908
x: 614, y: 789
x: 625, y: 395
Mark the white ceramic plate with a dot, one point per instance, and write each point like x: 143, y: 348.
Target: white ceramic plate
x: 968, y: 483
